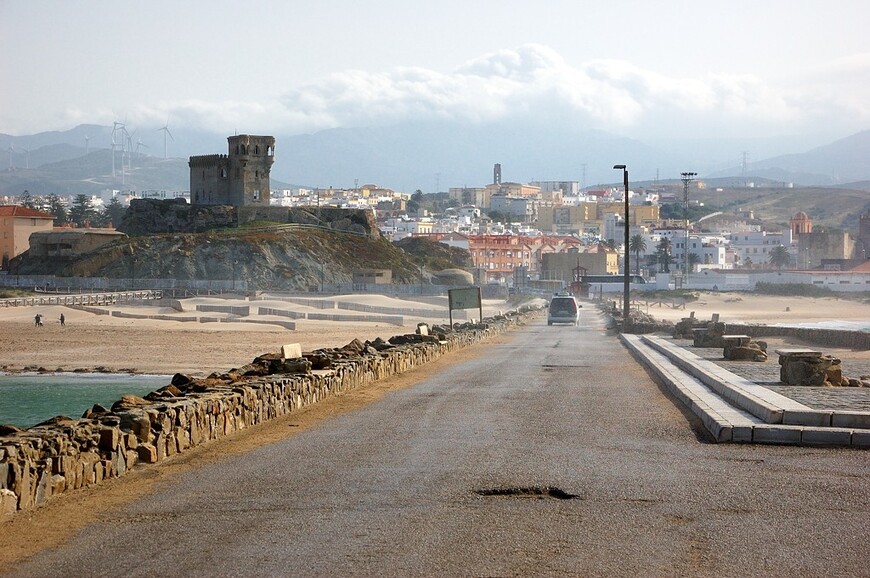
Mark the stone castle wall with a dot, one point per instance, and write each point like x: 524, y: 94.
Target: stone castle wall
x: 155, y: 216
x: 65, y: 454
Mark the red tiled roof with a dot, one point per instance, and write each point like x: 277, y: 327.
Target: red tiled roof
x: 19, y: 211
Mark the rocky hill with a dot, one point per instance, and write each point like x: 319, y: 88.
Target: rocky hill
x: 284, y: 258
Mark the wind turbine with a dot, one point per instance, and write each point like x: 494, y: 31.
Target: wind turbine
x: 11, y: 150
x: 115, y: 126
x: 129, y: 137
x: 26, y: 157
x: 165, y: 129
x: 139, y: 144
x: 87, y: 145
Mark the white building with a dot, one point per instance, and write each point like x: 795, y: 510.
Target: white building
x: 757, y: 245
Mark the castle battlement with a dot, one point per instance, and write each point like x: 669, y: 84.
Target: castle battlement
x: 206, y: 160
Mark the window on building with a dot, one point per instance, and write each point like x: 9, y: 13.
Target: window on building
x: 256, y: 195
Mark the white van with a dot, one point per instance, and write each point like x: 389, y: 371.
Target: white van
x: 563, y: 309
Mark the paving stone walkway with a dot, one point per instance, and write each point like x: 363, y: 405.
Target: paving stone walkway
x: 767, y: 374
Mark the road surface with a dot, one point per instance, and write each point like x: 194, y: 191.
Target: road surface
x: 552, y: 453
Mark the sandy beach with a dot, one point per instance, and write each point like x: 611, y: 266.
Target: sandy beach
x: 118, y: 344
x: 89, y: 341
x: 766, y: 309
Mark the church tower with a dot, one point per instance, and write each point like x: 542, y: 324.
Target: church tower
x: 800, y: 224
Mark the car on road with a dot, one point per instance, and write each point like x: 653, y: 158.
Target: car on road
x: 563, y: 309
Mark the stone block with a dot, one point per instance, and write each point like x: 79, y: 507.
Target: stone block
x: 829, y: 436
x: 58, y: 484
x: 8, y: 503
x: 810, y: 417
x: 291, y: 351
x: 147, y: 453
x: 851, y: 419
x: 777, y: 434
x: 861, y: 438
x: 109, y: 439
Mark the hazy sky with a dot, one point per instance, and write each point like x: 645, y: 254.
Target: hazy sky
x: 645, y: 69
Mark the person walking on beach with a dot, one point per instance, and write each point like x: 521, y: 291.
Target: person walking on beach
x: 62, y: 320
x: 38, y: 320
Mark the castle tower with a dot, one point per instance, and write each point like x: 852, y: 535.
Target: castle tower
x: 240, y: 178
x: 251, y: 159
x: 496, y: 174
x: 800, y: 224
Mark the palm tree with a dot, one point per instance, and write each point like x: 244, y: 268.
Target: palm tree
x: 664, y: 253
x: 779, y: 257
x: 694, y: 259
x: 637, y: 245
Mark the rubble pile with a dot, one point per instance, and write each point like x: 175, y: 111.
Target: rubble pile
x: 64, y: 454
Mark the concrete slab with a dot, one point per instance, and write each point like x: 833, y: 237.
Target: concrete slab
x: 853, y: 419
x: 777, y: 434
x: 810, y: 417
x: 861, y: 438
x: 828, y: 436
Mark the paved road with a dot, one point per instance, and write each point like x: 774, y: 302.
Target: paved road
x: 553, y: 454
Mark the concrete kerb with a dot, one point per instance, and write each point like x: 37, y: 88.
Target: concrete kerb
x: 759, y: 401
x: 727, y: 423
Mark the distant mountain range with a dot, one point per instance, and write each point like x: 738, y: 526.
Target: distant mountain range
x: 410, y: 156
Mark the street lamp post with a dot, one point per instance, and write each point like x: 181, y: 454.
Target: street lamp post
x: 625, y: 266
x: 686, y: 178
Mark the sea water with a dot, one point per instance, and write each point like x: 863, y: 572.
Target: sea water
x: 28, y: 399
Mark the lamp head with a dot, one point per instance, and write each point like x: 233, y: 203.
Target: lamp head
x: 619, y: 167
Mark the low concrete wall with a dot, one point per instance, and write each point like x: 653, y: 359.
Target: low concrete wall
x: 65, y: 454
x: 459, y: 314
x: 858, y: 340
x: 242, y: 311
x: 280, y: 313
x: 391, y: 319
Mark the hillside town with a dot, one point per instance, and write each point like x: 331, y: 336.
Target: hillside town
x: 540, y: 234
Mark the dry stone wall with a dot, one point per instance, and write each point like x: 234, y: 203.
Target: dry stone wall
x: 65, y: 454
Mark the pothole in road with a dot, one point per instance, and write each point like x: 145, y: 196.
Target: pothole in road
x: 531, y: 492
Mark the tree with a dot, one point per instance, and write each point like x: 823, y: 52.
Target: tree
x: 57, y: 209
x: 114, y: 212
x: 694, y: 259
x: 747, y: 262
x: 497, y: 216
x: 779, y: 257
x: 637, y: 245
x: 82, y: 212
x: 27, y: 200
x: 416, y: 201
x: 663, y: 250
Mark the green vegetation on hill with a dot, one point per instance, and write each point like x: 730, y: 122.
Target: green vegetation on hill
x: 435, y: 256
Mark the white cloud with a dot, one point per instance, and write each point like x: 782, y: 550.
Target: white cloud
x: 534, y: 81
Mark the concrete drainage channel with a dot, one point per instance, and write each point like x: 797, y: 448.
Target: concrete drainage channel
x: 530, y: 492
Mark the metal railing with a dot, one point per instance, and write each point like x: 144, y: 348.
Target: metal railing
x: 82, y: 299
